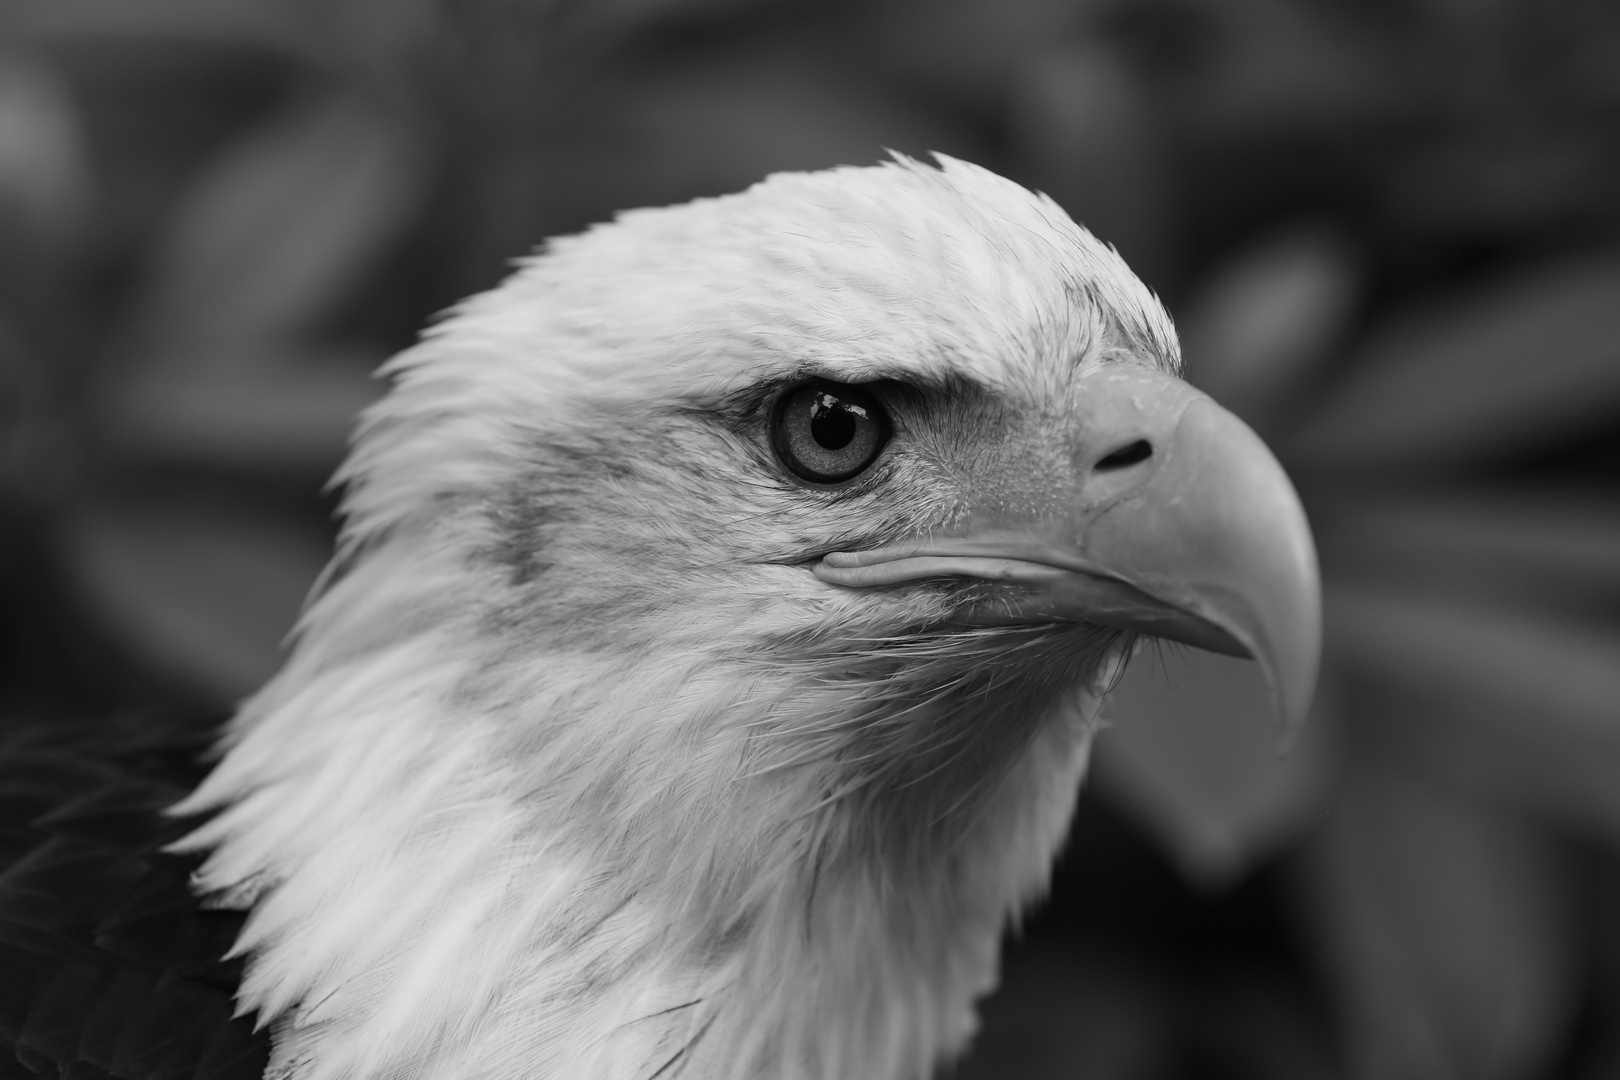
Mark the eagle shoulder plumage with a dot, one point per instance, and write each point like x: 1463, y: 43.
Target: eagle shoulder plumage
x: 109, y: 965
x: 716, y: 636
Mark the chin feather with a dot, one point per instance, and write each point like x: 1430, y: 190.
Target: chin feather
x: 447, y: 861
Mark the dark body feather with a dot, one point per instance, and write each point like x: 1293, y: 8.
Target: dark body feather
x: 109, y: 966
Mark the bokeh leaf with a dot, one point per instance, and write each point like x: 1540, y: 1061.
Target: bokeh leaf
x: 385, y: 44
x: 221, y: 365
x: 1520, y: 708
x: 290, y: 412
x: 45, y: 176
x: 1193, y: 754
x: 1556, y: 674
x: 1541, y: 548
x: 1480, y: 378
x: 265, y: 23
x: 704, y: 129
x: 1094, y: 142
x: 376, y: 43
x: 1259, y: 328
x: 966, y: 51
x: 1271, y: 67
x: 203, y: 593
x: 274, y: 233
x: 1447, y: 931
x: 624, y: 16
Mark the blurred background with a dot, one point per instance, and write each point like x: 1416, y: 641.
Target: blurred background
x: 1389, y: 232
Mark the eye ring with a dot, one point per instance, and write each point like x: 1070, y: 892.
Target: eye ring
x: 828, y: 432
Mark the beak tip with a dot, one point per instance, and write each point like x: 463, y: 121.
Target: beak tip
x: 1277, y: 611
x: 1291, y: 665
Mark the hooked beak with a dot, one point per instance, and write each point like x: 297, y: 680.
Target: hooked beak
x: 1182, y: 525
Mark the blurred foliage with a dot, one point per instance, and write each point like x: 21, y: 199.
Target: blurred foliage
x: 1390, y: 232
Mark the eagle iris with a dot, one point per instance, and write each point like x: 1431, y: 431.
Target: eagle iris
x: 827, y: 432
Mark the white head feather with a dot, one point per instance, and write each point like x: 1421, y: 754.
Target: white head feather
x: 575, y: 770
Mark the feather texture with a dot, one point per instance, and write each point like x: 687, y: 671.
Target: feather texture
x: 109, y: 967
x: 575, y: 770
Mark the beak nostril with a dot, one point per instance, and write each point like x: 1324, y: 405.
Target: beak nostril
x: 1127, y: 455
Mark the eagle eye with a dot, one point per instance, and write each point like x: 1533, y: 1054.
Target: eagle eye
x: 826, y: 432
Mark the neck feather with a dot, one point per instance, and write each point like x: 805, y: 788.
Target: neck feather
x: 593, y: 865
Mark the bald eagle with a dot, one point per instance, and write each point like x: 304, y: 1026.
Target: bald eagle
x: 705, y: 672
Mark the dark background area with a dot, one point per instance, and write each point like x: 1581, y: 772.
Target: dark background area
x: 1389, y: 232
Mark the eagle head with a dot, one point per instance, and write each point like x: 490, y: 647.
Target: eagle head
x: 716, y: 635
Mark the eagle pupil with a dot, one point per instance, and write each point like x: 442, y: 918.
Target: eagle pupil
x: 832, y: 422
